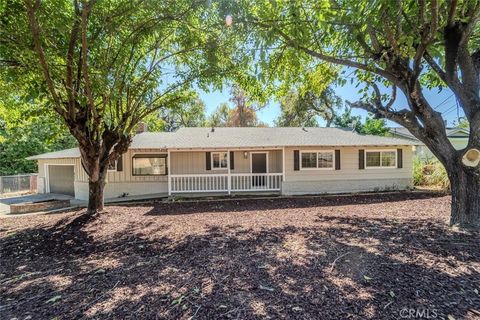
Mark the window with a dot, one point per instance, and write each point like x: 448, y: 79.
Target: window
x: 149, y: 165
x: 317, y: 160
x: 381, y: 159
x: 309, y: 160
x: 325, y: 159
x: 112, y: 166
x: 219, y: 160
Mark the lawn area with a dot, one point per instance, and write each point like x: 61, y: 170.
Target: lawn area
x: 369, y: 256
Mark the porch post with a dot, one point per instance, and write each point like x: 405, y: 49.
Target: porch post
x: 283, y: 164
x: 168, y: 173
x: 229, y: 182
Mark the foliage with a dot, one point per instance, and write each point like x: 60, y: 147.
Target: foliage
x: 28, y: 128
x: 371, y: 125
x: 463, y: 123
x: 299, y: 109
x: 107, y: 65
x: 347, y: 120
x: 392, y: 47
x: 407, y: 45
x: 190, y: 113
x: 242, y: 114
x: 377, y: 127
x: 430, y: 173
x: 220, y: 117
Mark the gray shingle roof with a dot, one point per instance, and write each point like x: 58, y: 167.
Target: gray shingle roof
x: 62, y: 154
x: 204, y: 138
x: 451, y: 132
x: 277, y: 137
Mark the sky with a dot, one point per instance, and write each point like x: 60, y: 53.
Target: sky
x: 443, y: 101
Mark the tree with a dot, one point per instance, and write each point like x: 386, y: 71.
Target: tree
x: 220, y: 117
x: 106, y: 65
x: 405, y: 45
x: 303, y: 109
x: 377, y: 127
x: 347, y: 120
x: 463, y: 123
x: 244, y: 111
x: 372, y: 126
x: 28, y: 128
x: 188, y: 114
x: 242, y: 114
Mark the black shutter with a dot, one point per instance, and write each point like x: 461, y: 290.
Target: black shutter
x: 208, y: 160
x: 232, y: 161
x: 337, y: 159
x: 399, y: 158
x: 361, y: 159
x: 120, y: 163
x: 296, y: 160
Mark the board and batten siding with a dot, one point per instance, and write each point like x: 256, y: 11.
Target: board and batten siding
x: 118, y: 182
x: 349, y: 178
x: 194, y: 162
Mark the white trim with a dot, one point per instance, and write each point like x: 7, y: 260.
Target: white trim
x: 266, y: 159
x: 47, y: 174
x: 317, y: 152
x: 229, y: 182
x: 380, y: 150
x: 219, y: 160
x: 283, y: 164
x: 169, y: 179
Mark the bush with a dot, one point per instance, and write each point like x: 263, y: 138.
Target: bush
x: 430, y: 173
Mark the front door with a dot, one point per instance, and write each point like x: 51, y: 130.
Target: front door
x: 259, y: 165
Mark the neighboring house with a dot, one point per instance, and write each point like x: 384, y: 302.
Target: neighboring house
x: 457, y: 136
x: 240, y: 160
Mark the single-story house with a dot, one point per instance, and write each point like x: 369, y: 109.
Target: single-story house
x: 240, y: 160
x: 457, y: 136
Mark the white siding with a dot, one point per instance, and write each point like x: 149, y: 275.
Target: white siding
x: 349, y: 178
x: 194, y: 162
x: 118, y: 189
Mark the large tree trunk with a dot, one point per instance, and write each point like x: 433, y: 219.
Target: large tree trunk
x: 97, y: 170
x: 95, y: 196
x: 465, y: 185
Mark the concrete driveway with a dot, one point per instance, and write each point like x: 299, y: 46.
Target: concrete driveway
x: 6, y: 202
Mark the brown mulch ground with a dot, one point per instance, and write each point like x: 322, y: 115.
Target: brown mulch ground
x: 370, y: 256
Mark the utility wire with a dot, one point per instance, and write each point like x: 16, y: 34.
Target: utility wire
x: 441, y: 103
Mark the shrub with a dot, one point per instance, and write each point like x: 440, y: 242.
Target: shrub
x: 430, y: 173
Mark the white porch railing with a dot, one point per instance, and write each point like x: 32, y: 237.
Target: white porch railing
x: 236, y: 182
x: 256, y: 182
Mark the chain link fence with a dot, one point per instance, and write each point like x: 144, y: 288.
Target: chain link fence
x: 22, y: 183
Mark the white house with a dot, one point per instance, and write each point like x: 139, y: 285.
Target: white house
x: 240, y: 160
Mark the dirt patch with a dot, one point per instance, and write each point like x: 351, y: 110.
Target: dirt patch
x: 369, y: 256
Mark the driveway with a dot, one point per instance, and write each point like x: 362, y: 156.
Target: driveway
x: 6, y: 202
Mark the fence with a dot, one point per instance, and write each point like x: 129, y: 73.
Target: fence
x: 18, y: 183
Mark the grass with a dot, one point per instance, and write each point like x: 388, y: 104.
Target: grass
x: 430, y: 173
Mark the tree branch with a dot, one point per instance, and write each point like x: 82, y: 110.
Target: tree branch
x: 35, y: 28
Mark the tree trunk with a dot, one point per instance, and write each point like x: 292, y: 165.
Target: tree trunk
x: 465, y: 185
x: 95, y: 196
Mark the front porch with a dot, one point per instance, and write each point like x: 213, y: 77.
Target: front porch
x: 225, y: 171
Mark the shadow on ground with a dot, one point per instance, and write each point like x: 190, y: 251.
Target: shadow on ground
x: 246, y: 204
x: 336, y: 267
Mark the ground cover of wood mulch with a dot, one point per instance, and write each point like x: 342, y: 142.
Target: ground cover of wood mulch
x: 371, y: 256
